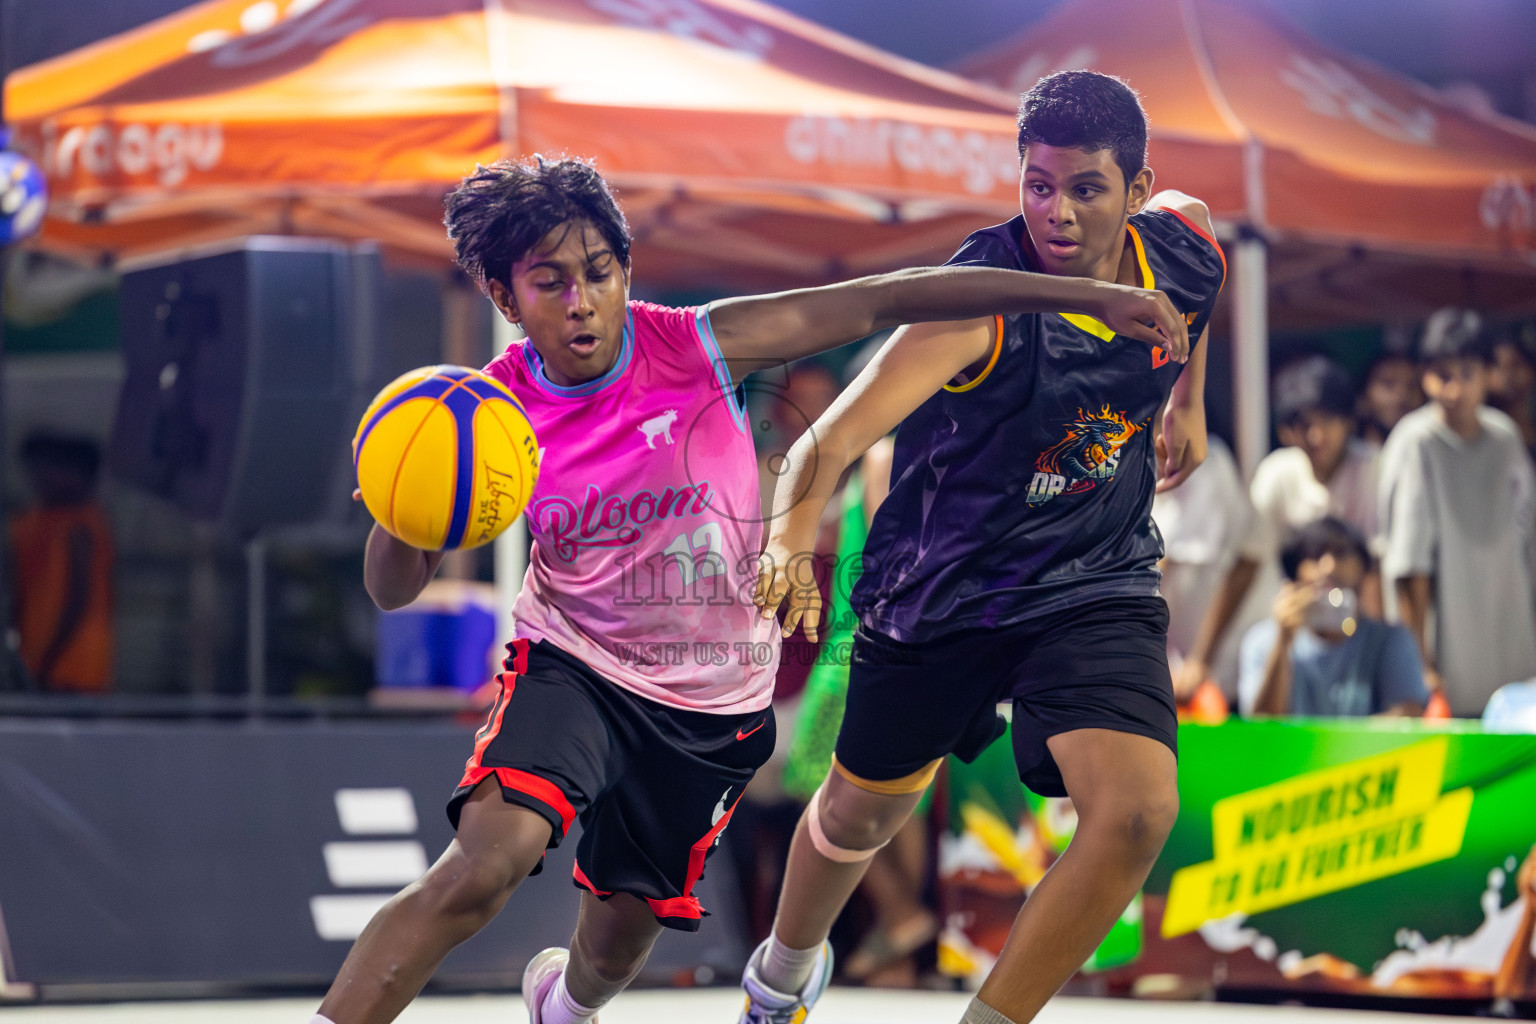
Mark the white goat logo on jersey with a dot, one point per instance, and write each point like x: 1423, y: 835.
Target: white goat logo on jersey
x: 658, y: 426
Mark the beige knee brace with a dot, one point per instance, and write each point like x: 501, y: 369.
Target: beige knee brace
x: 825, y: 846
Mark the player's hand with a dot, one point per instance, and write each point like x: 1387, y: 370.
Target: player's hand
x: 1181, y: 445
x: 357, y: 494
x: 1145, y: 315
x: 786, y: 574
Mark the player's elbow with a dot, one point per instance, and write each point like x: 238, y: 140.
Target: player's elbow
x: 392, y: 585
x: 394, y: 573
x: 390, y: 595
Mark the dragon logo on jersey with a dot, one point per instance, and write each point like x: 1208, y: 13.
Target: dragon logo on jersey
x: 1088, y: 454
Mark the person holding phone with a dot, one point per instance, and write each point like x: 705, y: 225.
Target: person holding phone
x: 1318, y: 653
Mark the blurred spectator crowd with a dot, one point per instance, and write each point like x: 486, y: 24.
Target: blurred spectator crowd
x: 1381, y: 559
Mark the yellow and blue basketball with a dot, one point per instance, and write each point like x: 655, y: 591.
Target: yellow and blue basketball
x: 445, y: 458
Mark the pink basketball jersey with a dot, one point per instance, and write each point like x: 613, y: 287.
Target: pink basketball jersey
x: 646, y: 521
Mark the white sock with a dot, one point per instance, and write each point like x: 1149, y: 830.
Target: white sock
x: 560, y: 1008
x: 979, y: 1012
x: 787, y: 970
x: 321, y: 1018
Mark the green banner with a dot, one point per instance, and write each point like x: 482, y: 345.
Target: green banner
x: 1375, y: 856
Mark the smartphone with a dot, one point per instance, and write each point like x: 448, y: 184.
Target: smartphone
x: 1335, y: 611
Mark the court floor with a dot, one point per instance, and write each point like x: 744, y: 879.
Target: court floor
x: 702, y: 1006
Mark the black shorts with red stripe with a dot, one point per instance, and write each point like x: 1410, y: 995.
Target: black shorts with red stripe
x: 653, y: 786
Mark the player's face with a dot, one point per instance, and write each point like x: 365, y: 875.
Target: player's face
x: 1076, y: 204
x: 569, y: 294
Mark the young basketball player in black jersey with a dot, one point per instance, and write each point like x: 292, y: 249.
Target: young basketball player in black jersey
x: 1015, y: 557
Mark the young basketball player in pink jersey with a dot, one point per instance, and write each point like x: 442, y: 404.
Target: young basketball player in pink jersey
x: 646, y: 530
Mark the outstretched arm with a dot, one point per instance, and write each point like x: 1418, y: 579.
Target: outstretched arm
x: 913, y: 365
x: 757, y: 330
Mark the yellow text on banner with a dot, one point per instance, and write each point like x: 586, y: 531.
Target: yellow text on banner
x: 1322, y: 832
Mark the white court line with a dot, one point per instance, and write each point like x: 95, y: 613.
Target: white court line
x: 715, y: 1006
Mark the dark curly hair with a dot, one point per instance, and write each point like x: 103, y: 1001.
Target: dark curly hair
x: 499, y: 213
x: 1086, y: 110
x: 1326, y: 536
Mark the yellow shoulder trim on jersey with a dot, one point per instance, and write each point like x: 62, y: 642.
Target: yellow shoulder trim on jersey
x: 1147, y: 280
x: 1089, y: 324
x: 1096, y: 327
x: 997, y: 350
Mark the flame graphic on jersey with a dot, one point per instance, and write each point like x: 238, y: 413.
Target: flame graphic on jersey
x: 1088, y: 452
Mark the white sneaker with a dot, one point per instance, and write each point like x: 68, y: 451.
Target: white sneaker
x: 766, y: 1005
x: 542, y: 974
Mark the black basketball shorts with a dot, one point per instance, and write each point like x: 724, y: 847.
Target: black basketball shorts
x: 1102, y: 665
x: 653, y: 786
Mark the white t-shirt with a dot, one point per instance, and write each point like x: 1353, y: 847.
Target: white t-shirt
x: 1286, y: 494
x: 1461, y: 511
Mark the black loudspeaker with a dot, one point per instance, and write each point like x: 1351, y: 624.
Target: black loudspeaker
x: 239, y: 375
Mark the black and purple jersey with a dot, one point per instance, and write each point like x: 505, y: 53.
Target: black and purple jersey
x: 1028, y: 489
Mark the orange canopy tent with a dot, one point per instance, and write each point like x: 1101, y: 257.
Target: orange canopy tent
x: 752, y: 148
x: 748, y: 146
x: 1352, y: 194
